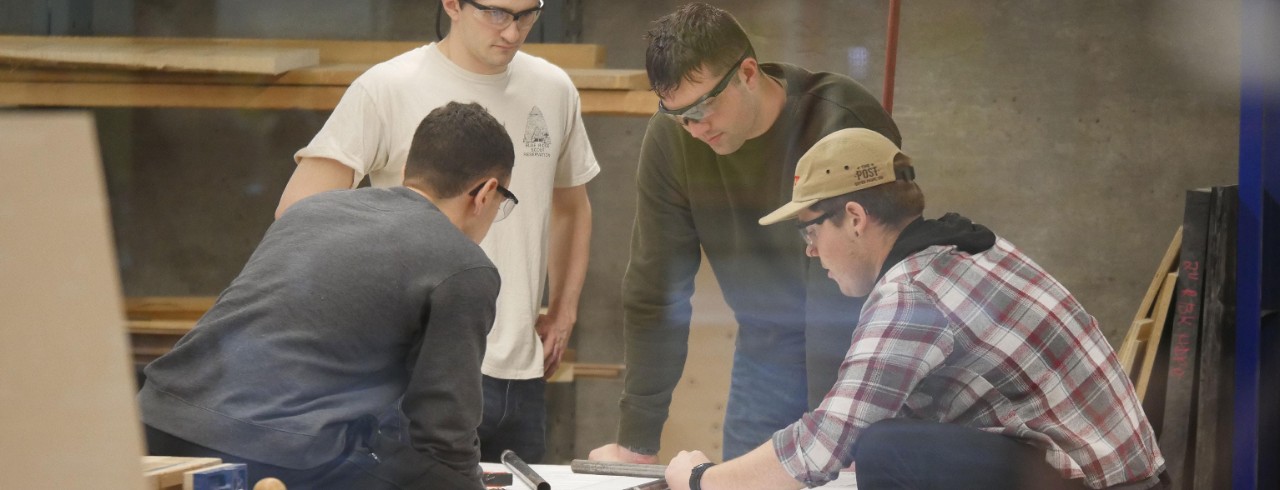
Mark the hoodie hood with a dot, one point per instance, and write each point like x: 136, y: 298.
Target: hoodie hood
x: 951, y: 229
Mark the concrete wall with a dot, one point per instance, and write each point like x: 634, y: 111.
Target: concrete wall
x: 1071, y: 128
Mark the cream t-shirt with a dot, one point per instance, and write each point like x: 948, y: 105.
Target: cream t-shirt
x: 372, y: 127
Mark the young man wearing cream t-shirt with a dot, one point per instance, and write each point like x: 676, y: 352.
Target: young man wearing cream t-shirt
x: 544, y: 241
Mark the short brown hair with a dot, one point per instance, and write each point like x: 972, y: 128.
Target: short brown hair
x: 894, y: 204
x: 695, y: 36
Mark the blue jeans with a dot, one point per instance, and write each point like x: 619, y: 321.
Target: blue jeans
x: 515, y: 418
x: 763, y: 398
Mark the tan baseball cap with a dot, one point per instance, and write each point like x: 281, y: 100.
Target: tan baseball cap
x: 847, y: 160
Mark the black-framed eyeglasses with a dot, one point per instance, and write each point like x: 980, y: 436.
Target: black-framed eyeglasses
x: 509, y: 201
x: 500, y: 18
x: 700, y: 109
x: 810, y: 228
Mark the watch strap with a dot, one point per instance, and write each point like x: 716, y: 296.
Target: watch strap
x: 695, y: 476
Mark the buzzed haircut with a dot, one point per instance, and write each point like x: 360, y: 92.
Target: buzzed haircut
x: 456, y: 145
x: 683, y: 41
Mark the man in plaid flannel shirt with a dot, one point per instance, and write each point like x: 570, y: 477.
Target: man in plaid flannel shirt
x: 971, y: 366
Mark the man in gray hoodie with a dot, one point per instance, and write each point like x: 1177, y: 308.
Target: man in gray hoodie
x: 354, y: 300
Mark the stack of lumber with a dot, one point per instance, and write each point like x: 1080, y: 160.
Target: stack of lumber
x: 252, y: 73
x: 1179, y: 350
x: 157, y: 322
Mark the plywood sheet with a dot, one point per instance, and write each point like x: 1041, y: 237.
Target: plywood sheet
x: 67, y: 410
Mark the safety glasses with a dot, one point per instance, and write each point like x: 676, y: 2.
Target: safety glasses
x: 509, y: 201
x: 808, y: 229
x: 700, y: 109
x: 500, y: 18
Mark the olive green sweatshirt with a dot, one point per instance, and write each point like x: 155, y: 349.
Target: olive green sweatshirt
x: 786, y: 308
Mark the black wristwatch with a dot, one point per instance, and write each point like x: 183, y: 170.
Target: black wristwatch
x: 695, y: 477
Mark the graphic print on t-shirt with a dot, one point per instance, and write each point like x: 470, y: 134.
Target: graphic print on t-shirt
x: 537, y: 140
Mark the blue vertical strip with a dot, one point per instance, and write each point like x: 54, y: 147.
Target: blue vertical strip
x: 1248, y: 295
x: 1259, y: 152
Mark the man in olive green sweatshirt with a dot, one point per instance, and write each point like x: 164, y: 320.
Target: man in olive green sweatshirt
x: 720, y: 153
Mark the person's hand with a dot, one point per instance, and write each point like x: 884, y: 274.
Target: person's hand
x: 614, y: 452
x: 681, y: 466
x: 554, y: 333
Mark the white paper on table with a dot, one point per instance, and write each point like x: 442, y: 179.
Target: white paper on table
x: 561, y: 477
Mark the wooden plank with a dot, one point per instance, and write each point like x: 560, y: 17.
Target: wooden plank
x: 609, y: 79
x: 1161, y: 317
x: 151, y: 352
x: 571, y: 371
x: 320, y: 98
x: 156, y: 323
x: 1141, y: 319
x: 168, y: 470
x: 603, y: 91
x: 606, y: 371
x: 338, y: 51
x: 340, y: 74
x: 231, y: 59
x: 1168, y: 263
x: 1139, y: 346
x: 91, y: 75
x: 154, y: 337
x: 160, y: 327
x: 563, y: 374
x: 1138, y: 336
x: 618, y: 103
x: 170, y: 96
x: 167, y: 307
x: 145, y: 354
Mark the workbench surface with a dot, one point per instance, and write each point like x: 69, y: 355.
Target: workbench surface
x: 562, y: 478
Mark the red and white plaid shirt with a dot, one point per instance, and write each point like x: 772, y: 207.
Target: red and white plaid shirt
x: 988, y: 341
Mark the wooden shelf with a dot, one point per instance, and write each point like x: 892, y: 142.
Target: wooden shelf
x: 155, y: 323
x: 32, y: 82
x: 189, y: 308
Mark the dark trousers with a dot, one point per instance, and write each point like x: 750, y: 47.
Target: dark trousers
x: 515, y: 418
x: 371, y: 461
x: 921, y: 455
